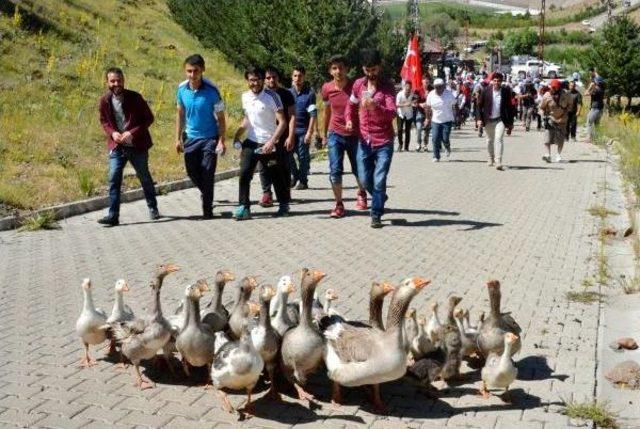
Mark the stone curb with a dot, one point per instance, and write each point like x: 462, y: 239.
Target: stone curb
x: 75, y: 208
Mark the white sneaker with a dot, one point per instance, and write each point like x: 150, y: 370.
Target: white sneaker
x: 435, y: 160
x: 560, y: 160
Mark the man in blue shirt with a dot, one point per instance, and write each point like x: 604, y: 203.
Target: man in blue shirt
x: 200, y: 129
x: 306, y: 115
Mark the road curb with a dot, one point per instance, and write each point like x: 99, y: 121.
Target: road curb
x: 63, y: 211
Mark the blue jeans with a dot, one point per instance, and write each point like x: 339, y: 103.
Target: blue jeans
x: 420, y: 129
x: 200, y: 160
x: 118, y: 158
x: 440, y: 135
x: 338, y: 145
x: 373, y: 168
x: 300, y: 173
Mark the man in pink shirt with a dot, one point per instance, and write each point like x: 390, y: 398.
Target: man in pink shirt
x: 335, y: 95
x: 373, y: 101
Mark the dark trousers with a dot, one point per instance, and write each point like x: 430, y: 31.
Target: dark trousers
x: 572, y: 125
x: 200, y: 159
x: 265, y: 177
x: 274, y: 164
x: 404, y: 130
x: 118, y: 159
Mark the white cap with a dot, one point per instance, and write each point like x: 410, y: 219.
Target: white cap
x: 438, y: 82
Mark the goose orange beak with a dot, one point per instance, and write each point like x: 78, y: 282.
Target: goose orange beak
x: 202, y: 285
x: 318, y: 275
x: 125, y: 287
x: 420, y: 283
x: 169, y: 268
x: 254, y: 308
x: 388, y: 287
x: 229, y: 276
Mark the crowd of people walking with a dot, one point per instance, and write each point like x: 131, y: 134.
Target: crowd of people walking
x: 278, y: 126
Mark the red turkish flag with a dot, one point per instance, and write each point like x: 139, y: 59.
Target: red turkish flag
x: 412, y: 67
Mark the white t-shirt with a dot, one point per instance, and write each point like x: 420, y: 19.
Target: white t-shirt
x: 260, y: 109
x: 407, y: 111
x: 495, y: 106
x: 441, y: 106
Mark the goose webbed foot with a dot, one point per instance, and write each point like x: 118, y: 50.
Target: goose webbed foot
x: 140, y: 382
x: 226, y: 404
x: 248, y: 411
x: 303, y: 395
x: 484, y: 392
x: 87, y: 361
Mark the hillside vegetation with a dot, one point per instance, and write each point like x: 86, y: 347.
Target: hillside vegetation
x: 53, y: 54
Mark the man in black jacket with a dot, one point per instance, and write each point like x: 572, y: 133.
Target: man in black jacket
x: 497, y: 112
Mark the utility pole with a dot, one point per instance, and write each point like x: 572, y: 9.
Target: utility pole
x: 415, y: 16
x: 541, y: 32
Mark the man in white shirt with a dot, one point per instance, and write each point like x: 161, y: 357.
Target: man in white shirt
x: 404, y: 104
x: 439, y: 109
x: 264, y: 121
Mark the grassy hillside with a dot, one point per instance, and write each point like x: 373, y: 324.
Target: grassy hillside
x: 52, y: 58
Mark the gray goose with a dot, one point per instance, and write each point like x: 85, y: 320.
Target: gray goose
x: 215, y: 315
x: 196, y: 342
x: 142, y: 338
x: 240, y: 312
x: 266, y: 339
x: 357, y: 356
x: 302, y: 346
x: 491, y: 333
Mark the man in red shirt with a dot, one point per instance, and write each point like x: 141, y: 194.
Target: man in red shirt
x: 125, y: 118
x: 373, y: 101
x: 335, y: 95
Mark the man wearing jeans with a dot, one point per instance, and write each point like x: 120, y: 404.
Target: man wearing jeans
x: 574, y: 112
x: 373, y: 102
x: 596, y: 92
x: 126, y: 118
x: 264, y: 121
x: 440, y: 115
x: 306, y: 113
x: 335, y: 96
x: 496, y: 115
x: 201, y: 117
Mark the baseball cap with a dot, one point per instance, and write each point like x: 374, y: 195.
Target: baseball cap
x: 556, y: 84
x: 438, y: 82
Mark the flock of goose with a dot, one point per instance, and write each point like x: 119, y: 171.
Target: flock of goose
x: 295, y: 339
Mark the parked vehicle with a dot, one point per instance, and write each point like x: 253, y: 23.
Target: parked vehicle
x: 536, y: 68
x: 475, y: 46
x: 586, y: 23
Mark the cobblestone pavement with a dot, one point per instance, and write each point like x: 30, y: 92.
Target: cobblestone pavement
x: 458, y: 223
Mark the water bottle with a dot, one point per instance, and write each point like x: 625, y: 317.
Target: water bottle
x: 237, y: 144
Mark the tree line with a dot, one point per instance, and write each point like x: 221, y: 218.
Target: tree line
x: 284, y: 33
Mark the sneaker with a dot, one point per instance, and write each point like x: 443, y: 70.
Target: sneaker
x: 435, y: 160
x: 546, y: 158
x: 361, y: 200
x: 283, y: 211
x: 266, y: 200
x: 419, y: 149
x: 301, y: 186
x: 448, y: 153
x: 338, y: 211
x: 499, y: 167
x: 560, y: 159
x: 154, y: 214
x: 242, y: 213
x: 108, y: 221
x: 376, y: 222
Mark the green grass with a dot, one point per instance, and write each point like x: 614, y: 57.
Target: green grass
x: 584, y: 297
x: 52, y: 58
x: 39, y: 221
x: 597, y: 412
x: 601, y: 211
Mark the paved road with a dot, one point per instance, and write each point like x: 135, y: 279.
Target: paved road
x: 456, y: 222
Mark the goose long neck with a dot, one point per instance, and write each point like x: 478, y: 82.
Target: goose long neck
x: 216, y: 299
x: 450, y: 319
x: 265, y: 317
x: 506, y: 354
x: 460, y: 326
x: 306, y: 303
x: 119, y: 300
x: 195, y: 310
x: 398, y: 308
x: 494, y: 299
x: 375, y: 312
x: 88, y: 300
x: 156, y: 308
